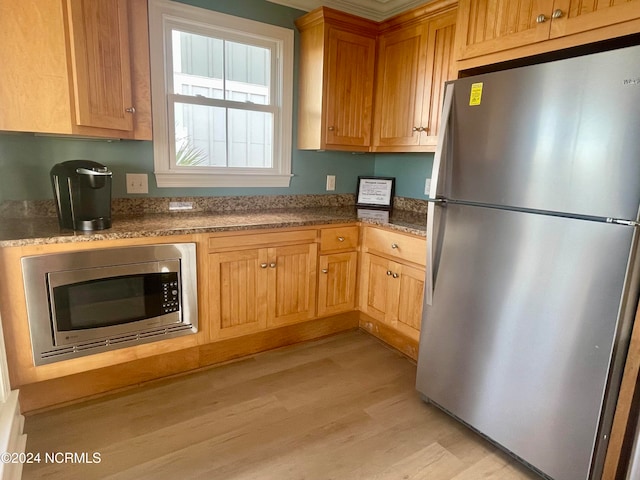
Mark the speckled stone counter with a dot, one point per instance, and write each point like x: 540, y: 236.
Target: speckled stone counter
x: 45, y: 230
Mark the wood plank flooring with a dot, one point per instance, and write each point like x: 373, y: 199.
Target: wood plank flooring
x: 344, y: 407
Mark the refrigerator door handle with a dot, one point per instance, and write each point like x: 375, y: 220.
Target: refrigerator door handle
x: 437, y: 179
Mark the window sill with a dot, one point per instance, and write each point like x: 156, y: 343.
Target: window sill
x: 164, y: 180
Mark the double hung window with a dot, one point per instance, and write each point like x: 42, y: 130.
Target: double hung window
x: 221, y: 96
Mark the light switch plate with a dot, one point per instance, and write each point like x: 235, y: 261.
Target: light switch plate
x: 427, y: 186
x: 137, y: 183
x: 331, y: 182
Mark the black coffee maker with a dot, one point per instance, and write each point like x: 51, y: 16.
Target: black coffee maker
x: 82, y: 190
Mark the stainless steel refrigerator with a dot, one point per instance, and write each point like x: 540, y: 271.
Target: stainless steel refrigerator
x: 533, y: 265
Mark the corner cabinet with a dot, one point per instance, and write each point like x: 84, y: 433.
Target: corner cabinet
x: 498, y: 30
x: 337, y: 61
x: 77, y: 67
x: 392, y: 287
x: 415, y: 58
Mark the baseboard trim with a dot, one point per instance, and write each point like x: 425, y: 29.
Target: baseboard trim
x: 12, y: 439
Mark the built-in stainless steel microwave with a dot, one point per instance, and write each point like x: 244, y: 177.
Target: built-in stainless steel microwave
x: 89, y: 301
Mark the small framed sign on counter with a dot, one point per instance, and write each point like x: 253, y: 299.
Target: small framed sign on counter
x: 375, y: 192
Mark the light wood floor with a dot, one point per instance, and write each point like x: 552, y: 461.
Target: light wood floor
x: 341, y: 408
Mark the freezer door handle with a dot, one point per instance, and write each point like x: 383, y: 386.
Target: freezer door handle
x: 437, y: 180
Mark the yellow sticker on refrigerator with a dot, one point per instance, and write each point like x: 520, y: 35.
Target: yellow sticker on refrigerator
x: 476, y: 94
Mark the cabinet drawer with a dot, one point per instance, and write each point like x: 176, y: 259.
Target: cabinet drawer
x: 339, y: 238
x: 251, y: 238
x: 404, y: 247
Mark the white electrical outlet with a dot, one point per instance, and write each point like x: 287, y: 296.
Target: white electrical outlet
x: 137, y: 183
x: 427, y: 186
x: 331, y: 182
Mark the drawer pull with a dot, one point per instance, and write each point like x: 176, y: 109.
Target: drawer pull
x: 272, y: 265
x: 263, y: 265
x: 557, y: 13
x: 324, y: 270
x: 341, y: 239
x: 395, y: 275
x: 541, y: 18
x: 394, y: 245
x: 389, y: 272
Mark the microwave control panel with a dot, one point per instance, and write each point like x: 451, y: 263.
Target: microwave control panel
x: 170, y: 297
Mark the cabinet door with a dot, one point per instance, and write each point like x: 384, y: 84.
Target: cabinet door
x: 440, y: 60
x: 238, y: 295
x: 378, y: 294
x: 400, y: 86
x: 291, y: 284
x: 337, y: 283
x: 409, y: 314
x: 494, y: 25
x: 575, y: 16
x: 99, y: 47
x: 349, y: 95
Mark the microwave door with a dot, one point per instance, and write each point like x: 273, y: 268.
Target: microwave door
x: 99, y: 302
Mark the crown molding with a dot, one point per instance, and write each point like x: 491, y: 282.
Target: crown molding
x: 377, y: 10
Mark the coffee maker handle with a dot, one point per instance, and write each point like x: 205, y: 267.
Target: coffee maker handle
x: 86, y: 171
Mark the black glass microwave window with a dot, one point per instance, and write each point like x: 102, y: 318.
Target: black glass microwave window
x: 113, y: 300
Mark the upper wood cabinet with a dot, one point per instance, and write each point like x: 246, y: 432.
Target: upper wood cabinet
x: 491, y: 31
x: 415, y: 58
x: 337, y: 85
x: 336, y: 73
x: 78, y: 67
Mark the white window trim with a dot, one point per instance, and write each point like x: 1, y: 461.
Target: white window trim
x: 162, y: 15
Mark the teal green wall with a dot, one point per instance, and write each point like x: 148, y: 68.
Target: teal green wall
x: 410, y: 169
x: 25, y: 160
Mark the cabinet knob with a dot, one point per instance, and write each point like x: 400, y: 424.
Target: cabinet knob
x: 416, y: 129
x: 395, y: 275
x: 331, y: 129
x: 263, y: 265
x: 130, y: 110
x: 541, y: 18
x: 389, y: 272
x: 394, y: 245
x: 272, y: 265
x: 325, y: 270
x: 557, y: 13
x: 341, y: 239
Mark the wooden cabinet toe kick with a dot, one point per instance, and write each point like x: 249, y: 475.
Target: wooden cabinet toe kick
x: 94, y: 383
x: 389, y: 335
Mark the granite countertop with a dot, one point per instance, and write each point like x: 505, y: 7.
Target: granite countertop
x: 45, y: 230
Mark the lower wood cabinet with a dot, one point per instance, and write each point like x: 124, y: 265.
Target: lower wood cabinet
x: 392, y: 293
x: 251, y: 289
x: 337, y: 283
x: 291, y: 277
x: 238, y: 292
x: 257, y: 290
x: 337, y: 274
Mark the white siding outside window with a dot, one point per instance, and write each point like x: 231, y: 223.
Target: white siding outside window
x: 222, y: 90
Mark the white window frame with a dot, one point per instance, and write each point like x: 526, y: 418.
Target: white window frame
x: 163, y: 17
